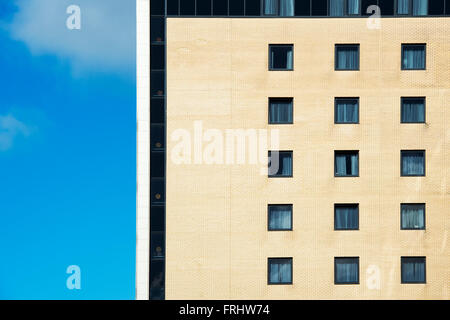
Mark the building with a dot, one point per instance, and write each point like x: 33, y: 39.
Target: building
x: 355, y: 201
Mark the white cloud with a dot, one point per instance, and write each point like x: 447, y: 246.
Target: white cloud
x: 105, y: 42
x: 10, y: 128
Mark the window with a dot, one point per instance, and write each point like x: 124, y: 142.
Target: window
x: 346, y: 163
x: 319, y: 8
x: 252, y: 7
x: 340, y: 8
x: 413, y: 110
x: 236, y: 7
x: 403, y: 7
x: 387, y: 7
x: 280, y: 217
x: 413, y: 56
x: 280, y: 163
x: 346, y: 110
x: 280, y: 271
x: 413, y: 162
x: 412, y: 216
x: 220, y: 7
x: 283, y: 8
x: 346, y: 217
x: 365, y: 4
x: 280, y: 110
x: 420, y: 7
x: 302, y: 8
x: 347, y: 57
x: 187, y: 7
x: 280, y: 57
x: 203, y: 7
x: 413, y: 269
x: 346, y: 270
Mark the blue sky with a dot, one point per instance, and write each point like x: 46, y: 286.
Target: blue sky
x: 67, y: 149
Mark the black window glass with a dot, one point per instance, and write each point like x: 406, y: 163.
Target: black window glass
x: 172, y: 7
x: 203, y: 7
x: 236, y: 7
x: 252, y: 7
x: 436, y: 7
x: 346, y: 163
x: 157, y: 218
x: 447, y: 6
x: 413, y: 56
x: 157, y: 29
x: 157, y: 111
x: 280, y: 163
x: 157, y: 190
x: 413, y: 110
x: 220, y: 7
x: 386, y: 7
x: 157, y: 7
x: 302, y: 7
x: 280, y: 110
x: 280, y: 217
x: 157, y: 83
x: 281, y: 57
x: 365, y: 4
x: 157, y: 57
x: 413, y: 216
x: 157, y: 280
x: 319, y: 8
x: 413, y: 269
x: 157, y: 136
x: 413, y: 162
x: 187, y: 7
x: 157, y: 164
x: 346, y: 270
x: 346, y: 110
x: 346, y: 216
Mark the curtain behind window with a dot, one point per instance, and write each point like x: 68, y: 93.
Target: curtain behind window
x: 270, y: 7
x: 413, y: 163
x: 413, y: 110
x: 346, y: 164
x: 420, y: 7
x: 346, y: 111
x: 346, y: 271
x: 280, y: 217
x: 403, y: 6
x: 280, y: 111
x: 289, y: 59
x: 346, y: 217
x: 347, y: 58
x: 336, y: 8
x: 286, y: 163
x: 353, y: 6
x: 280, y: 271
x: 286, y: 8
x: 413, y: 216
x: 413, y: 270
x: 414, y: 57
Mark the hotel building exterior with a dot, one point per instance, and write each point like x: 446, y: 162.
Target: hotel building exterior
x: 352, y: 198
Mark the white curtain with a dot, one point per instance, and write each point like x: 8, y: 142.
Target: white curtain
x: 286, y: 8
x: 280, y: 271
x: 336, y: 8
x: 346, y: 271
x: 413, y: 110
x: 346, y: 217
x: 413, y: 163
x: 346, y: 111
x: 420, y: 7
x: 280, y: 217
x: 413, y: 216
x: 414, y: 57
x: 403, y: 6
x: 280, y: 112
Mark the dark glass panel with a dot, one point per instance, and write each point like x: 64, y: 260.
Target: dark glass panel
x: 386, y: 7
x: 203, y: 7
x: 319, y: 7
x: 157, y: 57
x: 302, y: 7
x: 236, y: 7
x: 365, y: 4
x: 187, y: 7
x: 157, y: 280
x: 436, y: 7
x: 157, y: 190
x: 252, y: 7
x: 172, y: 7
x: 157, y: 29
x: 157, y: 111
x: 157, y: 7
x: 157, y: 137
x: 157, y: 218
x: 220, y: 7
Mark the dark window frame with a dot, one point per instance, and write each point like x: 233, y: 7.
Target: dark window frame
x: 402, y: 258
x: 268, y: 270
x: 345, y: 151
x: 424, y: 53
x: 292, y: 158
x: 336, y: 99
x: 336, y: 205
x: 335, y: 271
x: 291, y: 100
x: 424, y: 163
x: 280, y: 45
x: 268, y: 216
x: 424, y: 215
x: 343, y: 45
x: 424, y: 109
